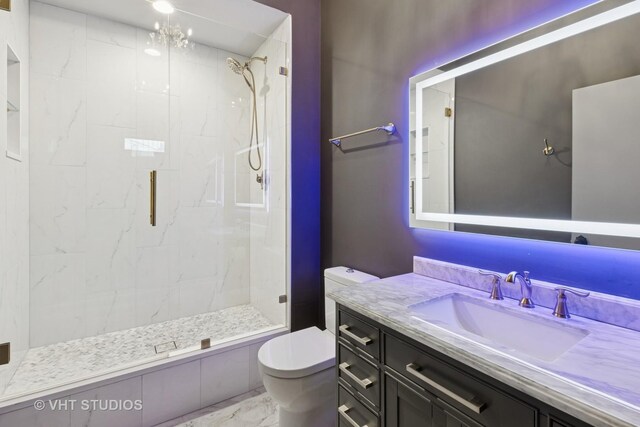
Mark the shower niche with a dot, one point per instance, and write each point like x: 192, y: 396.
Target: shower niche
x: 249, y: 184
x: 13, y: 105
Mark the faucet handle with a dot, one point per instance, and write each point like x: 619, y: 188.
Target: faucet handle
x: 496, y: 290
x: 561, y: 290
x: 496, y: 276
x: 561, y: 309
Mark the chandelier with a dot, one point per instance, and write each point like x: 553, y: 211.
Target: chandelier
x: 167, y: 35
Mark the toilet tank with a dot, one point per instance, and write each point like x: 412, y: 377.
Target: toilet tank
x: 336, y: 278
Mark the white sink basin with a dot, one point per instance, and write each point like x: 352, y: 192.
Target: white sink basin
x: 544, y: 339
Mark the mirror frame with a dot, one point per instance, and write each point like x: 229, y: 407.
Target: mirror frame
x: 594, y: 16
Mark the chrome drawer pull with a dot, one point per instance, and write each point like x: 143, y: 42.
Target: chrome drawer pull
x: 471, y: 402
x: 343, y: 413
x: 365, y: 384
x: 362, y: 340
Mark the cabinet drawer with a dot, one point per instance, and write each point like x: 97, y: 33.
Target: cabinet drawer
x: 359, y: 374
x: 359, y: 333
x: 462, y: 391
x: 555, y: 423
x: 411, y: 406
x: 352, y: 413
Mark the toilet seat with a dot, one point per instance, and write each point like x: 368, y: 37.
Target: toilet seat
x: 299, y: 354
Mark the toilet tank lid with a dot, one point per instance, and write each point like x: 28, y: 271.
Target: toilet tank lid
x: 348, y: 276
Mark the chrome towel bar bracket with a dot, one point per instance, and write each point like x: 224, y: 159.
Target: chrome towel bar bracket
x: 389, y: 129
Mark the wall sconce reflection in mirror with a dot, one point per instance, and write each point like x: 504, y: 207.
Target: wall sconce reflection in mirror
x: 547, y: 150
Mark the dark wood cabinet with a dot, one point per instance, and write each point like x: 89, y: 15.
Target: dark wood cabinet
x: 405, y: 407
x: 446, y: 416
x: 480, y: 401
x: 352, y: 412
x: 408, y: 406
x: 362, y: 375
x: 389, y: 380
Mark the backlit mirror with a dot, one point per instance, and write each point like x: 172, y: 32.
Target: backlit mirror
x: 537, y: 137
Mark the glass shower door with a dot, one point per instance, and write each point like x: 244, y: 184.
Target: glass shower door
x: 268, y: 220
x: 108, y: 288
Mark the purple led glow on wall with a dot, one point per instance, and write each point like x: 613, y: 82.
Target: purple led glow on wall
x: 599, y: 269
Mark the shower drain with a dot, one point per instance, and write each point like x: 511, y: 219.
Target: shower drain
x: 165, y: 346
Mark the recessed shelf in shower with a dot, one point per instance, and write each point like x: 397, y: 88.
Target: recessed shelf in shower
x: 13, y: 105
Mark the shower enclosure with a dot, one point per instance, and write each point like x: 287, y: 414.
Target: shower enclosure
x: 151, y: 234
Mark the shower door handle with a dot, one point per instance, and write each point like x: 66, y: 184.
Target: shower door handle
x: 153, y: 179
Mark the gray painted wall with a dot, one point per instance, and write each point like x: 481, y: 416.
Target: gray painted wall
x: 370, y: 48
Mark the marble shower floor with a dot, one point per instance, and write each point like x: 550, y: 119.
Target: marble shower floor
x: 71, y: 360
x: 253, y: 409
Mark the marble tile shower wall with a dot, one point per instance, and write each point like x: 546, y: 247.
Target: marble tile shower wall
x: 14, y: 198
x: 269, y: 224
x: 96, y: 263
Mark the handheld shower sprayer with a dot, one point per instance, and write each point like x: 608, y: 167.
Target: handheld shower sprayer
x: 235, y: 65
x: 247, y: 74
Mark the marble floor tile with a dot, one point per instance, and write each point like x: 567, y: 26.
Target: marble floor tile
x: 51, y: 365
x: 253, y: 409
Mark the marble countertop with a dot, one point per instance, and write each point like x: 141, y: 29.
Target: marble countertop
x: 597, y: 380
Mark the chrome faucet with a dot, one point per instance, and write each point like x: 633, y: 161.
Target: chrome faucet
x: 561, y: 309
x: 496, y: 290
x: 525, y: 287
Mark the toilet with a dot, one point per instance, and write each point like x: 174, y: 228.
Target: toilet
x: 298, y: 369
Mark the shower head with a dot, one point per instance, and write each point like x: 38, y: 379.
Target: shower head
x: 235, y: 65
x: 238, y: 68
x: 245, y: 69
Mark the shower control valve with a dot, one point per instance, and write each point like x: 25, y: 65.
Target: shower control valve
x: 260, y: 179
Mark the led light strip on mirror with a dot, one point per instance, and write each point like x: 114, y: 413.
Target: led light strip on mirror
x: 435, y: 77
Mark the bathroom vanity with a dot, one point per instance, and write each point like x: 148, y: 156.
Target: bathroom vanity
x: 409, y: 384
x: 396, y: 366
